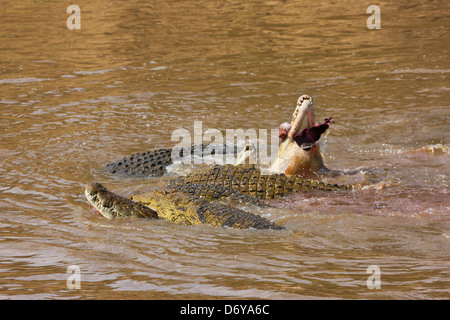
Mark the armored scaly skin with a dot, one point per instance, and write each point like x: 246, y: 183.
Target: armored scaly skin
x: 154, y: 163
x: 242, y: 183
x: 114, y: 206
x: 184, y: 205
x: 187, y: 200
x: 151, y: 163
x: 250, y: 180
x: 184, y: 209
x: 215, y: 192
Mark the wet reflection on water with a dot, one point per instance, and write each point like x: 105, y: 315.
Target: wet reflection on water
x: 72, y: 101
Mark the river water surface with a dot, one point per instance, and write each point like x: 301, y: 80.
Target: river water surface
x: 72, y: 101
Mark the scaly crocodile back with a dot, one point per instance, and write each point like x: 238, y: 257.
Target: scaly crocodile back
x: 249, y: 180
x: 154, y: 163
x: 184, y: 209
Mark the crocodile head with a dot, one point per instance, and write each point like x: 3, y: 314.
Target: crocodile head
x: 299, y: 153
x: 111, y: 205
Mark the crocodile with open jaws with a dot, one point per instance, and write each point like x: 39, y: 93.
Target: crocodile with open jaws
x: 195, y: 198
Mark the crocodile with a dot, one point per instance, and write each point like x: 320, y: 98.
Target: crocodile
x: 192, y: 199
x: 196, y: 197
x: 185, y: 208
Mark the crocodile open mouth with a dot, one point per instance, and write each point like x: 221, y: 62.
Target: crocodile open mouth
x: 302, y: 128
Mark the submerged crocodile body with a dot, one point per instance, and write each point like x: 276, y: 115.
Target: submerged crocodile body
x: 192, y: 199
x: 186, y: 209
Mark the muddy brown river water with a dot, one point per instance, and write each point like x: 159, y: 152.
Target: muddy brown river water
x: 72, y: 101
